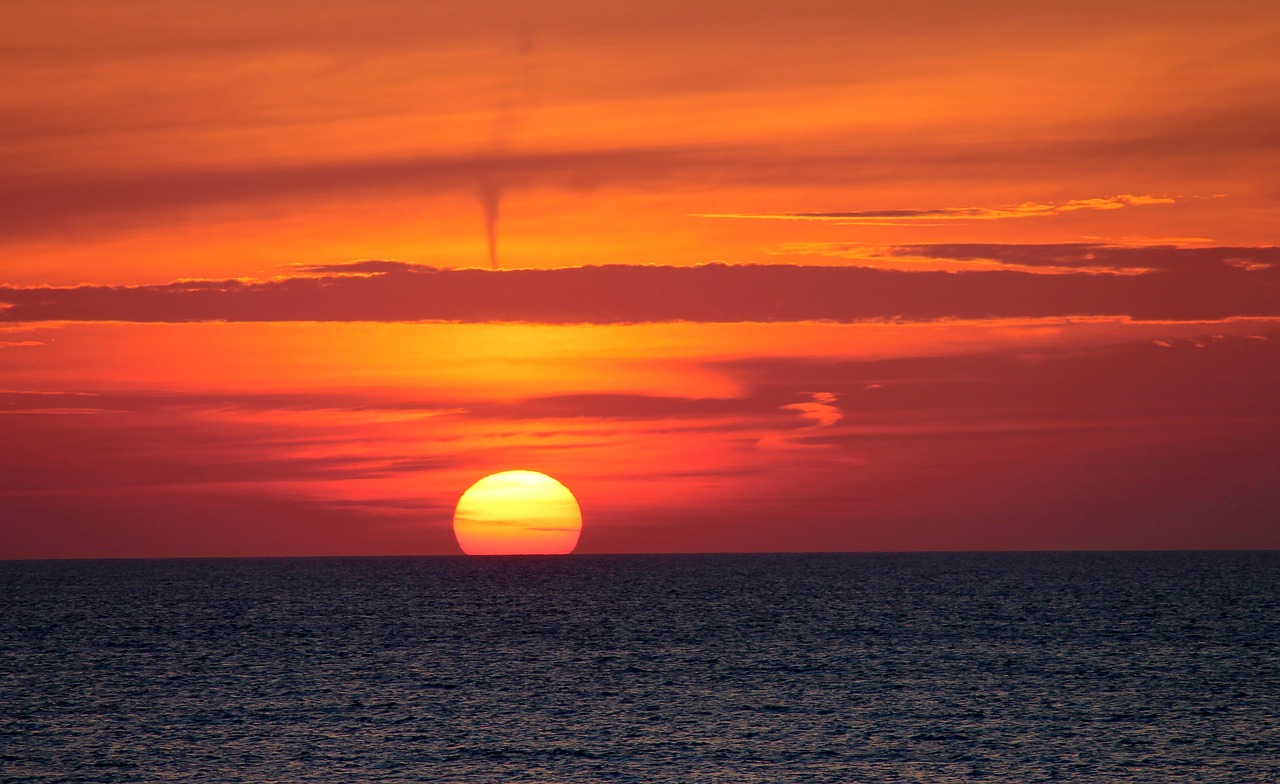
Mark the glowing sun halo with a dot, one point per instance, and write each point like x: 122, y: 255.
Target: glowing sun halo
x: 517, y: 513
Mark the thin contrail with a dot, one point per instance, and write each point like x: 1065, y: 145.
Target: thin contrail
x: 490, y: 196
x: 503, y: 122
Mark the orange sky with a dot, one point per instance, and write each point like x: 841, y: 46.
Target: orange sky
x: 905, y: 276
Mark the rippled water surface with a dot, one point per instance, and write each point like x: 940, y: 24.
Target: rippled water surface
x: 718, y: 668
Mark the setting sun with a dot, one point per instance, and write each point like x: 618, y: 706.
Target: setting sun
x: 517, y: 513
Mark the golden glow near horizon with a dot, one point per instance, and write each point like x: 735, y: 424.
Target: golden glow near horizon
x: 517, y: 513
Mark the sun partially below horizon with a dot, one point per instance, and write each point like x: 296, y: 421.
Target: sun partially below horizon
x: 517, y: 513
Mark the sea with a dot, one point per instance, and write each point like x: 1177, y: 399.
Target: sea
x: 975, y: 667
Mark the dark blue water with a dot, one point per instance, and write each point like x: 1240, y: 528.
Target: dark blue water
x: 752, y: 668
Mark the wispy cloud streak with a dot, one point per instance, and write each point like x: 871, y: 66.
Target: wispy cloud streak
x: 904, y: 217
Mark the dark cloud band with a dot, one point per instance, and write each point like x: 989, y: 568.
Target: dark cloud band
x: 1179, y: 284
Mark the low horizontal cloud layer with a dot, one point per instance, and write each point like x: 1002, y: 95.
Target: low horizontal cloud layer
x: 1082, y: 255
x: 1172, y: 284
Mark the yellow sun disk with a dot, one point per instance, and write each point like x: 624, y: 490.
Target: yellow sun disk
x: 517, y: 513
